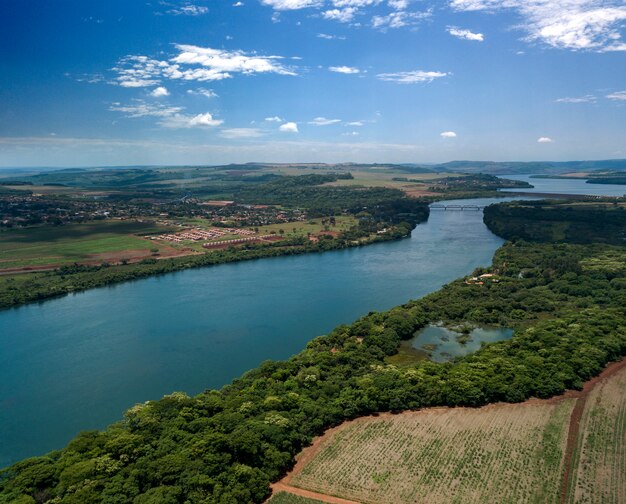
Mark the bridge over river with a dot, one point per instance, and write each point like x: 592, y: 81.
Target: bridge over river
x: 438, y: 206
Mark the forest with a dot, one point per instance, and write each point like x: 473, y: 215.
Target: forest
x: 566, y: 302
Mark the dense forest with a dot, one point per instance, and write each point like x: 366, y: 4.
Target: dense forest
x: 583, y: 221
x: 566, y: 302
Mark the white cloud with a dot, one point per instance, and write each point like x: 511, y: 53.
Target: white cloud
x: 330, y: 37
x: 565, y: 24
x: 207, y: 93
x: 159, y: 92
x: 618, y: 95
x: 448, y: 134
x: 351, y: 133
x: 274, y: 119
x: 413, y: 77
x: 356, y: 123
x: 238, y: 4
x: 344, y: 69
x: 290, y: 4
x: 399, y: 19
x: 171, y: 117
x: 544, y: 140
x: 190, y: 121
x: 398, y: 4
x: 344, y: 15
x: 194, y: 63
x: 579, y: 99
x: 189, y: 10
x: 289, y: 127
x: 322, y: 121
x: 236, y: 133
x: 142, y: 109
x: 465, y: 34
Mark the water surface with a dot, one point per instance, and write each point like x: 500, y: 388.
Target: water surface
x: 442, y: 344
x: 566, y: 186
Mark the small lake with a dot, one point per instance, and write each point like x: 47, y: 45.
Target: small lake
x: 566, y: 186
x: 442, y: 344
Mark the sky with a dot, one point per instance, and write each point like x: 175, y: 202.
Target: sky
x: 135, y: 82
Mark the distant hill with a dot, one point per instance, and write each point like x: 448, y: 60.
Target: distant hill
x: 528, y: 168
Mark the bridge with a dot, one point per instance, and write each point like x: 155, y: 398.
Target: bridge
x: 475, y: 208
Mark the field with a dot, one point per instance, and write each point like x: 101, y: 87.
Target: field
x: 570, y: 449
x: 600, y: 454
x: 89, y: 242
x: 445, y: 455
x: 287, y: 498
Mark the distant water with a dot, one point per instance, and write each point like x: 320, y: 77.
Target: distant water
x: 566, y: 186
x: 442, y: 344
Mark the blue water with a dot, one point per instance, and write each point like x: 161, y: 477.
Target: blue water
x: 566, y: 186
x: 77, y: 362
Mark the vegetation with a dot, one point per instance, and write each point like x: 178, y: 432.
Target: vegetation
x: 584, y: 221
x: 287, y: 498
x: 445, y: 455
x: 225, y: 446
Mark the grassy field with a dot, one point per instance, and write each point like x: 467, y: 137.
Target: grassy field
x: 500, y: 453
x: 287, y: 498
x: 600, y: 474
x: 99, y: 240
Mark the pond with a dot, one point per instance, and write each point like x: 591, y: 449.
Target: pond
x: 441, y: 344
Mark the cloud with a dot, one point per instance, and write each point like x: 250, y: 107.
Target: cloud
x: 344, y: 69
x: 235, y: 133
x: 544, y: 140
x: 580, y: 99
x: 413, y: 77
x: 351, y: 133
x: 190, y: 121
x: 289, y: 127
x: 448, y: 134
x: 344, y: 15
x: 465, y: 34
x: 171, y: 117
x: 282, y: 5
x: 355, y: 123
x: 207, y: 93
x: 238, y: 4
x: 399, y: 19
x: 189, y: 10
x: 330, y: 37
x: 159, y: 92
x: 142, y: 109
x: 618, y: 95
x: 274, y: 119
x: 565, y: 24
x: 322, y: 121
x: 194, y: 63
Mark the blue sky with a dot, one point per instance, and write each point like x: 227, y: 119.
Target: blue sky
x: 204, y: 82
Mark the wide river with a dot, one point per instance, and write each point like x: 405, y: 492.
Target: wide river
x: 77, y: 362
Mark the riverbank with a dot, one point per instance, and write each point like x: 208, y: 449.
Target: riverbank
x: 255, y: 426
x: 23, y: 289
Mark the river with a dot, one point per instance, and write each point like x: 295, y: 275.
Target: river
x: 77, y: 362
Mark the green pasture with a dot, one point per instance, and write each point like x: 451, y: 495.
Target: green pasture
x: 45, y: 245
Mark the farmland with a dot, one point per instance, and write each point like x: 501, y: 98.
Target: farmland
x: 541, y: 451
x: 92, y: 242
x: 600, y: 455
x: 445, y: 455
